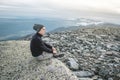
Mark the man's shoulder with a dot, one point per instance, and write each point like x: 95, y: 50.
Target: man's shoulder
x: 36, y: 37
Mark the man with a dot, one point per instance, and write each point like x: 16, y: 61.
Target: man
x: 39, y: 48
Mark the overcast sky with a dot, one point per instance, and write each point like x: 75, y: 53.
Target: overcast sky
x: 99, y: 9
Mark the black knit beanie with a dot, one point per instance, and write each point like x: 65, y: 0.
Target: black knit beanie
x: 38, y: 27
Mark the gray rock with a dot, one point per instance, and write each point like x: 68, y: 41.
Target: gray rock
x: 104, y: 36
x: 115, y: 48
x: 85, y: 79
x: 110, y: 78
x: 73, y: 65
x: 100, y: 50
x: 84, y: 73
x: 117, y: 37
x: 108, y: 70
x: 18, y: 64
x: 99, y: 79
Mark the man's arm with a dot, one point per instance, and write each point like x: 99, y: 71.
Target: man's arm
x: 49, y: 46
x: 43, y: 46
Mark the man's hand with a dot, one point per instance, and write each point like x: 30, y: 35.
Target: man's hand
x: 54, y: 50
x: 55, y: 55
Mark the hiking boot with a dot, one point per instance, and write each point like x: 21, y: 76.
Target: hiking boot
x: 58, y: 55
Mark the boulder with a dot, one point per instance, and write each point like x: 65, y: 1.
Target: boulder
x: 73, y: 65
x: 16, y: 63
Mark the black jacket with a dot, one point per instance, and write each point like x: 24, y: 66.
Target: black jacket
x: 37, y: 46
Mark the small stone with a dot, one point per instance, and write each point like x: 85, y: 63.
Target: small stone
x: 95, y: 77
x: 85, y: 79
x: 110, y: 78
x: 99, y: 79
x: 118, y: 75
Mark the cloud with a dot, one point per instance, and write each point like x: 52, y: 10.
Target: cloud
x: 60, y: 8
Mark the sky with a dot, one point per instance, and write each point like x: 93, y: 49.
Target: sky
x: 108, y: 10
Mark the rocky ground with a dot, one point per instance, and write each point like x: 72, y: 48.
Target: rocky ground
x: 16, y: 63
x: 90, y: 53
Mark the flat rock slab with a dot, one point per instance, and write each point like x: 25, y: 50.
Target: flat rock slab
x: 16, y: 63
x: 84, y: 73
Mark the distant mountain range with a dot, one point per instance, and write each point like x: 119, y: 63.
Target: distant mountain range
x: 82, y: 22
x: 78, y: 23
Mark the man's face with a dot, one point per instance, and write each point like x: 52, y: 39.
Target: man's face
x: 42, y: 31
